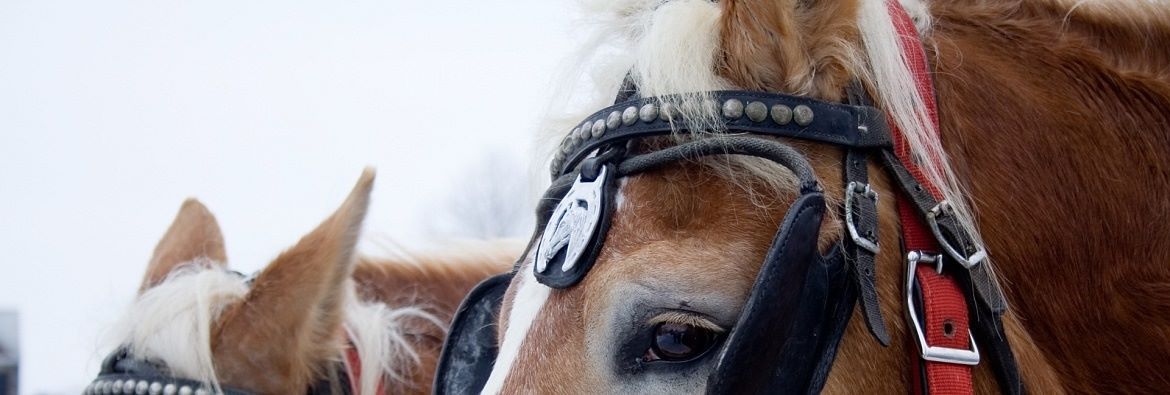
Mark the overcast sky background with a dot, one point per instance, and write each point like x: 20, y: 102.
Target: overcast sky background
x: 112, y: 112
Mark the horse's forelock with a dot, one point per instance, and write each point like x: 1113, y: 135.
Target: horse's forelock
x: 172, y: 322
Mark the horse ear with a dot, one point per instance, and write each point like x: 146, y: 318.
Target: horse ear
x: 287, y: 326
x: 193, y: 234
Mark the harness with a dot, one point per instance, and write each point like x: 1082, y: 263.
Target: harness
x: 786, y: 337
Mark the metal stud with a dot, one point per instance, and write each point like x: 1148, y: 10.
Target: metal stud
x: 117, y: 388
x: 575, y: 131
x: 710, y: 106
x: 756, y: 111
x: 667, y: 112
x: 583, y: 133
x: 614, y: 120
x: 648, y: 112
x: 156, y: 388
x: 733, y: 109
x: 128, y: 387
x: 99, y: 387
x: 169, y: 389
x: 802, y: 115
x: 781, y: 114
x: 598, y: 128
x: 630, y: 115
x: 184, y: 390
x: 140, y: 389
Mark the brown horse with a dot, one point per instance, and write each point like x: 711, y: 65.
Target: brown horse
x: 1055, y: 118
x: 293, y: 325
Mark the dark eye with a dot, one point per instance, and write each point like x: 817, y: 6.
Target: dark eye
x: 674, y: 342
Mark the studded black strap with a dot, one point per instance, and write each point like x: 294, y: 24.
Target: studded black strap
x: 767, y: 114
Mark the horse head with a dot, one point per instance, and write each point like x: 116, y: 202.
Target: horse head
x: 197, y: 327
x: 711, y: 262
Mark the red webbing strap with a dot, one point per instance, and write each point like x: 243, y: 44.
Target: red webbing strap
x: 944, y: 305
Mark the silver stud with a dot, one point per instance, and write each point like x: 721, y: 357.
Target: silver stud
x: 117, y: 388
x: 710, y: 106
x: 781, y: 114
x: 140, y: 389
x: 630, y: 115
x: 184, y: 390
x: 614, y: 120
x: 88, y: 389
x: 128, y: 387
x: 667, y: 112
x: 99, y: 387
x: 169, y: 389
x: 648, y: 112
x: 575, y: 132
x: 756, y: 111
x: 598, y: 128
x: 201, y: 391
x: 583, y: 133
x: 802, y: 115
x: 733, y: 108
x: 156, y: 388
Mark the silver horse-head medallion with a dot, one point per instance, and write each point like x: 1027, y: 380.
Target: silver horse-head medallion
x: 572, y: 224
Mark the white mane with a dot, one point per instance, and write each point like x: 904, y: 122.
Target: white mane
x: 171, y: 323
x: 671, y: 47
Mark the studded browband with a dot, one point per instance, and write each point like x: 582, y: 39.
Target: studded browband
x: 768, y: 114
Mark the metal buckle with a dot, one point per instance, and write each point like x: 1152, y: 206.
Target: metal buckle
x: 853, y: 188
x: 934, y: 353
x: 939, y: 210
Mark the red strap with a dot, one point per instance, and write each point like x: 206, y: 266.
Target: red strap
x: 944, y: 305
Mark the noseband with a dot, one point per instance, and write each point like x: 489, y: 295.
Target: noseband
x: 786, y: 337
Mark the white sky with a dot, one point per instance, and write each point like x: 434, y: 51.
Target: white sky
x: 112, y: 112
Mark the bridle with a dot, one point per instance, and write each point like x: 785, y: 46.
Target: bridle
x: 799, y: 295
x: 125, y: 374
x: 786, y: 338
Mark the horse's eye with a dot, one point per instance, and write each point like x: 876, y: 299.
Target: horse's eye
x: 674, y: 342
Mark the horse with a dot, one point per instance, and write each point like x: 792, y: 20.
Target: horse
x: 1053, y: 125
x: 318, y: 317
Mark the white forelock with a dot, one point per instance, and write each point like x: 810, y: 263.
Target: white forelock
x: 171, y: 322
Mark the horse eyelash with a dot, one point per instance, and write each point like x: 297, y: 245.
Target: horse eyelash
x: 682, y: 318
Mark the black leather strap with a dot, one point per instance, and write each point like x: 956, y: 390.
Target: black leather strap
x: 832, y: 123
x: 982, y: 277
x: 121, y: 372
x: 865, y: 222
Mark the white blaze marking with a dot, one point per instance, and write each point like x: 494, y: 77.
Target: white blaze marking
x: 526, y: 306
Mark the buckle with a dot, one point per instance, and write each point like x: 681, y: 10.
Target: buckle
x: 934, y: 353
x: 941, y: 209
x: 856, y: 188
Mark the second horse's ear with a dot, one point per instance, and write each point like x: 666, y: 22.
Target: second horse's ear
x: 193, y: 235
x: 287, y: 326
